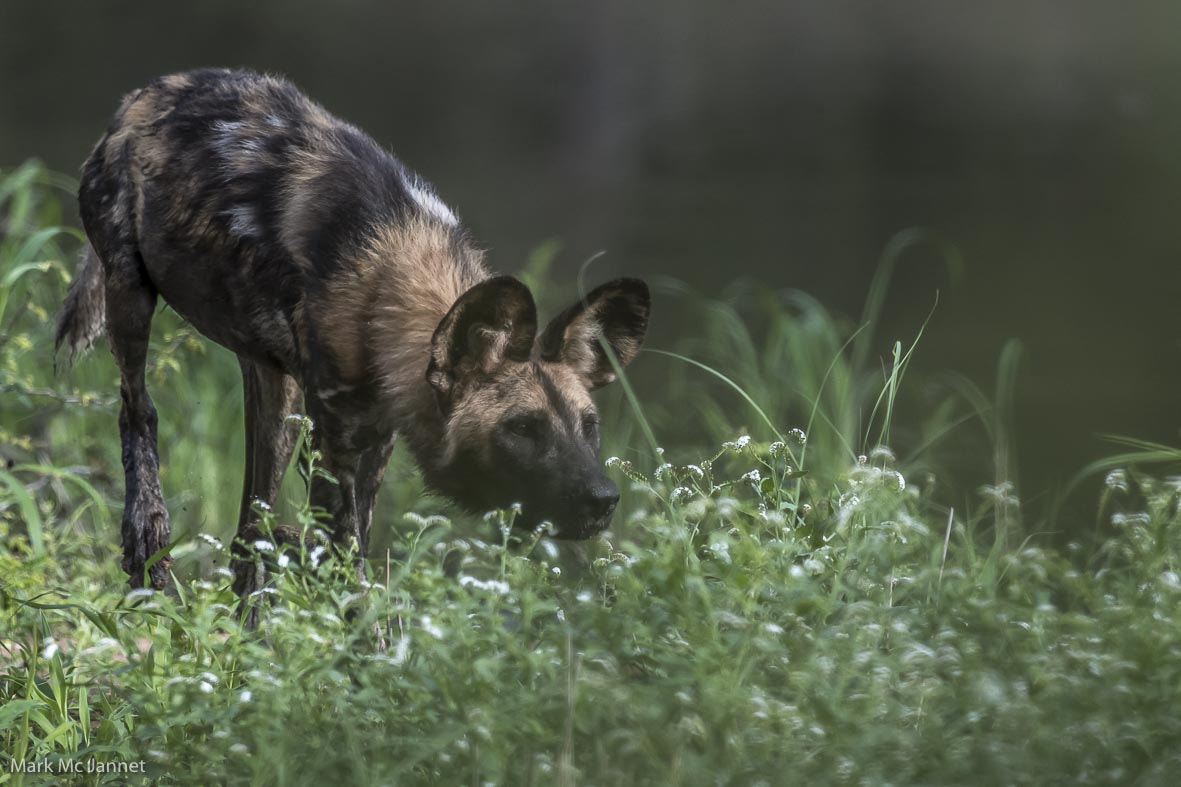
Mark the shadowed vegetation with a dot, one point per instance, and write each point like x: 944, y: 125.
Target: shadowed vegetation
x: 821, y: 572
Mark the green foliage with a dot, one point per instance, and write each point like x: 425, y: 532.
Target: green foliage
x: 796, y: 605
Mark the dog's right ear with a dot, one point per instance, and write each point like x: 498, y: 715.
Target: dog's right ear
x: 493, y: 322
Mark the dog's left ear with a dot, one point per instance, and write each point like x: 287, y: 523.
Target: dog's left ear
x: 492, y: 323
x: 617, y: 313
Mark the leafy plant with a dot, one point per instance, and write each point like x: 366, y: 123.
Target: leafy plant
x: 783, y: 596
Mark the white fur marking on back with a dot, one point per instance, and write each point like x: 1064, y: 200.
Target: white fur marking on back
x: 228, y: 132
x: 231, y: 140
x: 428, y: 202
x: 242, y: 221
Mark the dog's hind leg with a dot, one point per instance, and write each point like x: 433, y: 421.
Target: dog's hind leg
x: 269, y: 397
x: 130, y: 300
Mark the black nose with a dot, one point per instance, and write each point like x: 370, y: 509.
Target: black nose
x: 601, y: 501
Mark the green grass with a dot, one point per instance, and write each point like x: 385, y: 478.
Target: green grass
x: 781, y: 600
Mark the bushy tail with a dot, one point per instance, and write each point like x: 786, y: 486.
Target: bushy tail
x: 84, y: 313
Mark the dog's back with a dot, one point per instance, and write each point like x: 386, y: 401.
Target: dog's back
x: 238, y: 194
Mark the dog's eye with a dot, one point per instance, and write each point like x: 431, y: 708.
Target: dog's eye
x: 590, y: 425
x: 523, y: 426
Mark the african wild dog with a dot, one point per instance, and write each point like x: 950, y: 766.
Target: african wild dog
x: 340, y: 279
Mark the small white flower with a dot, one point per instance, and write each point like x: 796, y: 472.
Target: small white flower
x: 401, y: 651
x: 721, y: 550
x: 431, y: 628
x: 1136, y: 518
x: 260, y: 675
x: 50, y: 650
x: 205, y: 687
x: 209, y: 677
x: 753, y: 476
x: 212, y: 541
x: 556, y: 571
x: 1117, y: 479
x: 262, y: 545
x: 775, y: 518
x: 239, y: 748
x: 492, y: 585
x: 283, y: 560
x: 660, y: 471
x: 105, y: 643
x: 315, y: 555
x: 418, y: 519
x: 737, y: 445
x: 245, y: 696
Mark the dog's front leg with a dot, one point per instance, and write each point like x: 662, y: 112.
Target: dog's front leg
x: 337, y: 496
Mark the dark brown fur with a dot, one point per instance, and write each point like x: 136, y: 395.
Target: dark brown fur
x: 345, y: 285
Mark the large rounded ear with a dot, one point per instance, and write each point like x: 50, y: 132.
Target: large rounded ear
x: 616, y: 313
x: 493, y: 322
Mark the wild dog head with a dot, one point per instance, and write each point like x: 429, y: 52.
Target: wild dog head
x: 520, y: 424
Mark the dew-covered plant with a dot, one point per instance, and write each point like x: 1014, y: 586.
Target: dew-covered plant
x: 728, y: 630
x: 784, y: 597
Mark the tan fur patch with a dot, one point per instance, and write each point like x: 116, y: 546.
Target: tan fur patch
x: 176, y: 82
x: 137, y: 112
x: 580, y: 340
x: 571, y: 386
x: 309, y: 165
x: 486, y: 400
x: 386, y: 309
x: 515, y: 388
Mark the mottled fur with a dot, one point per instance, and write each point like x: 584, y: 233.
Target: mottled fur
x: 343, y: 283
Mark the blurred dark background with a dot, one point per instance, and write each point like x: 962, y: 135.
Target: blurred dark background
x: 787, y: 142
